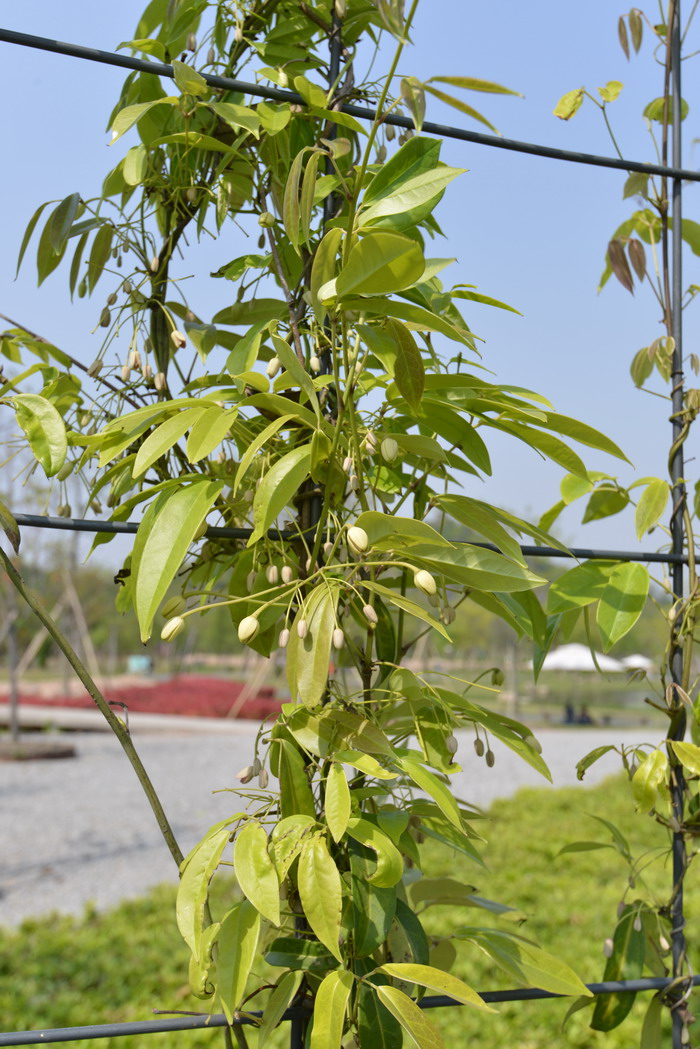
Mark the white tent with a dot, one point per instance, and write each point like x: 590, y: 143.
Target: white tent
x: 578, y: 657
x: 638, y: 662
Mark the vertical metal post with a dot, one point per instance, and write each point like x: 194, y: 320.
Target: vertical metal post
x: 678, y: 724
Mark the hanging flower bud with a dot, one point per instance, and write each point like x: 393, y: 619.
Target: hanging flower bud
x: 315, y: 364
x: 287, y: 574
x: 479, y: 747
x: 338, y: 639
x: 664, y: 944
x: 105, y: 318
x: 621, y: 908
x: 451, y: 744
x: 328, y: 549
x: 96, y: 506
x: 490, y: 758
x: 370, y: 615
x: 381, y: 154
x: 425, y: 582
x: 174, y: 606
x: 347, y: 464
x: 263, y: 778
x: 135, y: 360
x: 302, y: 629
x: 247, y: 629
x: 370, y: 442
x: 448, y: 615
x: 126, y: 372
x: 65, y: 472
x: 246, y: 774
x: 155, y: 264
x: 95, y: 368
x: 266, y: 219
x: 238, y: 34
x: 497, y: 677
x: 637, y: 924
x: 389, y: 449
x: 211, y: 56
x: 178, y: 339
x: 273, y: 366
x: 354, y: 483
x: 191, y: 42
x: 160, y: 381
x: 147, y: 372
x: 283, y: 639
x: 390, y: 132
x: 191, y: 194
x: 127, y: 287
x: 358, y: 540
x: 172, y: 628
x: 608, y: 948
x: 272, y: 574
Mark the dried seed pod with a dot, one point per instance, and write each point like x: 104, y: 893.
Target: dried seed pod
x: 608, y: 948
x: 389, y: 449
x: 358, y: 540
x: 302, y: 629
x: 490, y: 758
x: 174, y: 606
x: 338, y: 639
x: 105, y: 318
x: 247, y: 629
x: 273, y: 366
x: 287, y: 574
x: 172, y: 628
x: 425, y: 582
x: 370, y: 615
x: 160, y: 381
x: 315, y: 364
x: 178, y: 339
x: 272, y: 574
x: 283, y: 639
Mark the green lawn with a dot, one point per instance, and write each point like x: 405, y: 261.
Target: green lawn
x: 120, y: 965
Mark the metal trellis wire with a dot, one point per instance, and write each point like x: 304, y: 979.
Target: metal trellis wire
x: 676, y: 558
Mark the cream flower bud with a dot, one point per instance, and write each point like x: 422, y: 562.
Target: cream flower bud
x: 425, y: 582
x: 147, y: 372
x: 283, y: 640
x: 174, y: 606
x: 370, y: 615
x: 621, y: 908
x: 448, y: 615
x: 287, y: 574
x: 95, y: 368
x: 191, y: 42
x: 155, y: 264
x: 263, y: 778
x: 354, y: 483
x: 315, y: 364
x: 273, y: 366
x: 246, y: 774
x: 608, y: 948
x: 338, y: 639
x: 65, y: 472
x: 302, y: 629
x: 105, y: 318
x: 172, y: 628
x: 664, y: 944
x: 451, y: 745
x: 358, y: 540
x: 637, y: 924
x: 247, y: 629
x: 347, y: 464
x: 126, y: 372
x: 135, y: 360
x: 389, y: 449
x: 272, y: 574
x: 160, y: 381
x: 370, y: 442
x: 178, y: 339
x: 479, y: 747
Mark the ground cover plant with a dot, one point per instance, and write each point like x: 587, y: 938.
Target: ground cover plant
x: 326, y: 415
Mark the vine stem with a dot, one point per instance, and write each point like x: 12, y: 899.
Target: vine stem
x: 116, y: 724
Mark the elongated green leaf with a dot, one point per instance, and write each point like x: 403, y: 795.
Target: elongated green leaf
x: 409, y: 372
x: 308, y: 658
x: 172, y: 523
x: 291, y: 212
x: 417, y: 318
x: 380, y: 263
x: 651, y: 1027
x: 320, y: 893
x: 580, y: 586
x: 194, y: 886
x: 476, y: 568
x: 237, y: 116
x: 126, y: 118
x: 526, y: 962
x: 387, y: 532
x: 625, y: 963
x: 373, y: 908
x: 208, y: 431
x: 62, y: 220
x: 482, y: 520
x: 364, y: 763
x: 286, y: 841
x: 297, y: 371
x: 28, y: 234
x: 237, y: 948
x: 329, y: 1010
x: 296, y: 797
x: 648, y: 778
x: 590, y: 759
x: 377, y: 1027
x: 255, y: 446
x: 432, y: 785
x: 470, y: 83
x: 622, y: 602
x: 651, y: 506
x: 337, y: 804
x: 389, y: 860
x: 10, y: 527
x: 323, y: 268
x: 405, y: 603
x: 277, y: 1004
x: 255, y: 870
x: 413, y: 1020
x: 278, y: 487
x: 689, y: 756
x: 306, y: 201
x: 163, y: 438
x: 463, y: 107
x: 99, y: 254
x: 434, y: 980
x: 45, y: 430
x: 411, y: 194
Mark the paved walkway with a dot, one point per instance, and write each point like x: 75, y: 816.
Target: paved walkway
x: 80, y: 830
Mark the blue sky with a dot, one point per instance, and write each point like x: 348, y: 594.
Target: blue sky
x: 526, y: 230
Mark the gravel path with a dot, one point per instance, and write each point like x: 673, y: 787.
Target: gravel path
x: 80, y: 830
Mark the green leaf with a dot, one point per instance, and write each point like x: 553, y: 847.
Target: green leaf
x: 237, y: 948
x: 337, y: 803
x: 126, y: 118
x: 380, y: 263
x: 255, y: 870
x: 255, y: 446
x: 373, y: 908
x: 416, y: 157
x: 237, y: 116
x: 9, y: 527
x: 297, y: 371
x: 580, y: 586
x: 323, y: 268
x: 651, y: 506
x: 188, y: 80
x: 302, y: 955
x: 611, y: 91
x: 526, y: 962
x: 330, y: 1007
x: 584, y: 846
x: 651, y: 1027
x: 407, y: 605
x: 409, y: 372
x: 470, y: 83
x: 364, y: 763
x: 28, y: 234
x: 476, y: 568
x: 434, y: 980
x: 278, y: 487
x: 625, y: 963
x: 569, y: 104
x: 286, y: 840
x: 648, y: 778
x: 306, y: 202
x: 291, y: 212
x: 162, y: 439
x: 295, y: 793
x: 389, y: 860
x: 99, y: 254
x: 605, y: 502
x: 482, y: 520
x: 657, y: 110
x: 208, y: 431
x: 44, y: 428
x: 411, y: 193
x: 463, y: 107
x: 308, y: 658
x: 320, y: 893
x: 590, y: 759
x: 61, y: 221
x: 622, y: 602
x: 135, y: 164
x: 194, y: 886
x: 389, y: 532
x: 413, y: 97
x: 413, y: 1020
x: 168, y: 526
x: 277, y: 1004
x: 689, y: 756
x: 432, y: 785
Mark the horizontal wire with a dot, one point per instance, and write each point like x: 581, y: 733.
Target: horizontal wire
x: 74, y: 524
x: 193, y: 1023
x: 92, y: 54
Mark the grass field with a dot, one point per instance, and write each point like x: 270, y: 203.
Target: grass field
x: 122, y: 964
